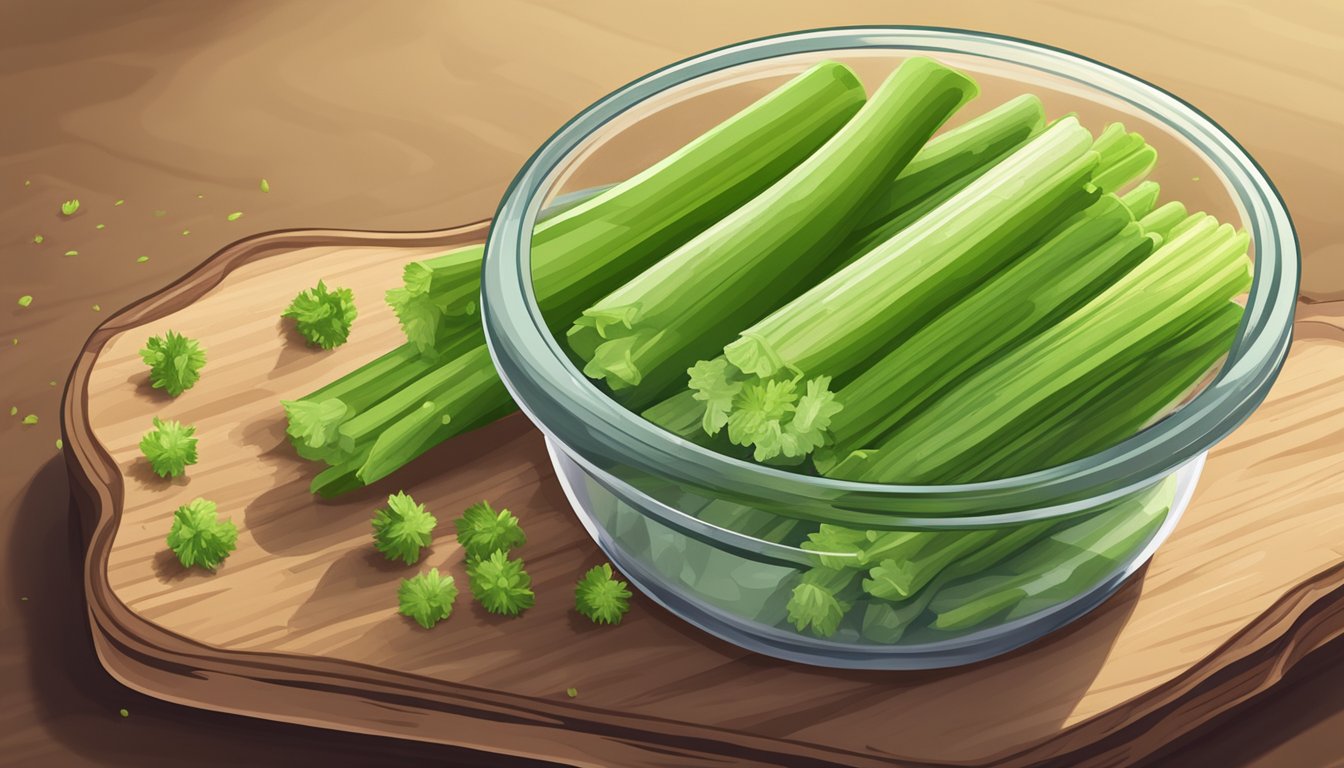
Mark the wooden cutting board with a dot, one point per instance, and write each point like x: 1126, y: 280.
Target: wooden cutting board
x: 300, y: 623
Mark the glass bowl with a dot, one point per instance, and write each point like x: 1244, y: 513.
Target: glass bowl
x: 687, y: 525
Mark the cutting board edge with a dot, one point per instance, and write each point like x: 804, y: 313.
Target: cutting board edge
x: 168, y: 666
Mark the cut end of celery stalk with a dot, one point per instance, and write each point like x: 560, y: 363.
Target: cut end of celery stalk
x: 1163, y: 220
x: 1142, y: 199
x: 754, y: 356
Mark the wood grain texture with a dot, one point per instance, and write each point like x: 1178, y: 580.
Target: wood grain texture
x: 300, y: 623
x: 411, y: 115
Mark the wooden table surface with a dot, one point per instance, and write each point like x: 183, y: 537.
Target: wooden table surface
x: 415, y: 116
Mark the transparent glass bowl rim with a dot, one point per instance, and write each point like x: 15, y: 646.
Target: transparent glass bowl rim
x: 523, y: 347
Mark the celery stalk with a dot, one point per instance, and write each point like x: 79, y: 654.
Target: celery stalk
x: 373, y: 421
x: 899, y: 578
x: 459, y: 390
x: 1142, y: 198
x: 973, y: 146
x: 1163, y: 220
x: 1117, y: 408
x: 887, y: 622
x: 645, y: 333
x: 586, y: 250
x: 599, y: 245
x: 1191, y: 274
x: 1064, y: 564
x: 902, y: 283
x: 1055, y: 278
x: 437, y: 298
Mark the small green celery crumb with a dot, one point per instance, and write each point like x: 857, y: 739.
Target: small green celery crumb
x: 323, y: 316
x: 60, y: 444
x: 120, y: 202
x: 199, y: 537
x: 427, y: 598
x: 13, y: 410
x: 236, y: 215
x: 141, y: 259
x: 500, y: 585
x: 170, y: 447
x: 25, y: 300
x: 402, y: 528
x: 572, y: 693
x: 124, y: 712
x: 97, y: 308
x: 69, y: 207
x: 30, y: 419
x: 265, y: 186
x: 601, y: 597
x: 100, y: 226
x: 174, y: 361
x: 481, y: 530
x: 38, y: 239
x: 186, y: 232
x: 72, y: 253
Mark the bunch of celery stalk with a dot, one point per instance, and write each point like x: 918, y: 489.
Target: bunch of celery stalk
x: 826, y: 282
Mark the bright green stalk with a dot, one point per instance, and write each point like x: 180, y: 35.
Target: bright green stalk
x: 1063, y: 565
x: 887, y: 622
x: 315, y: 420
x: 378, y: 442
x: 369, y: 423
x: 1116, y: 408
x: 899, y: 578
x: 686, y: 415
x: 847, y: 318
x: 1114, y: 141
x: 856, y: 247
x: 411, y: 430
x: 467, y: 386
x: 1164, y: 219
x: 583, y: 252
x: 1130, y: 320
x: 1124, y: 157
x: 599, y: 245
x: 1055, y: 278
x: 1142, y: 198
x: 973, y: 146
x: 436, y: 301
x: 1185, y: 224
x: 1126, y: 169
x: 338, y: 478
x: 361, y: 387
x: 682, y: 415
x: 648, y: 331
x: 437, y: 297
